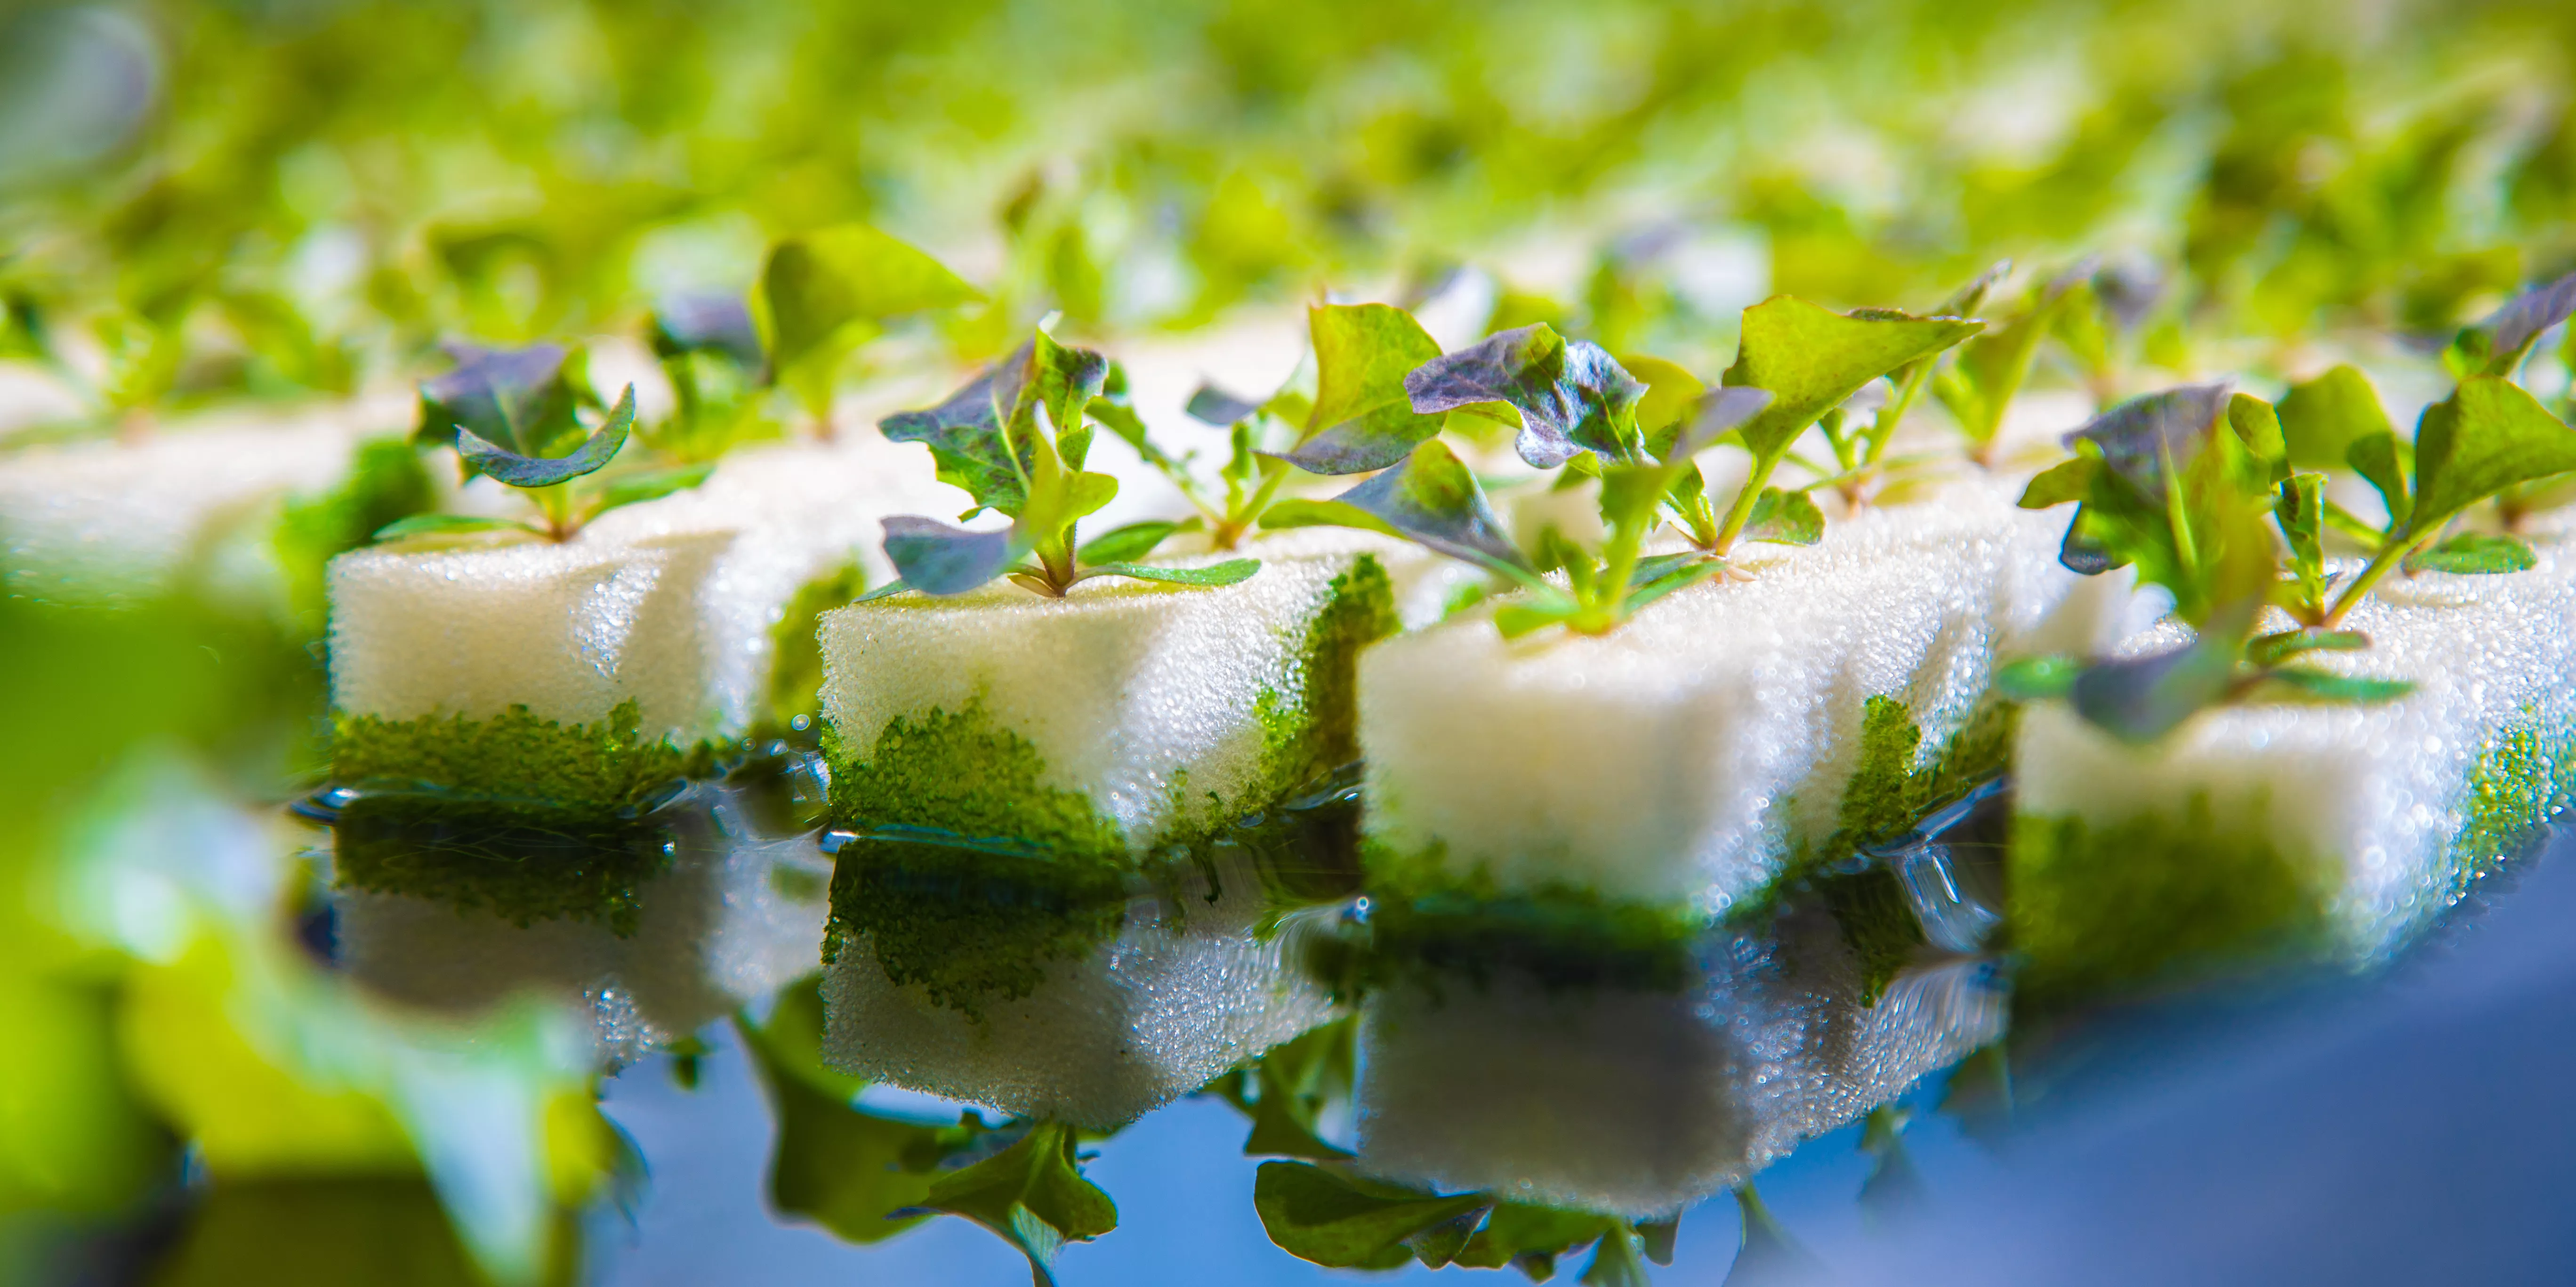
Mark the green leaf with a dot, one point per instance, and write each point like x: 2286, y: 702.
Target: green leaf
x: 1301, y: 512
x: 2300, y: 511
x: 934, y: 558
x: 449, y: 525
x: 1085, y: 493
x: 1811, y: 358
x: 2273, y: 649
x: 1993, y: 366
x: 1032, y: 1194
x: 1572, y: 396
x: 2322, y: 418
x: 1517, y: 619
x: 2298, y: 683
x: 1659, y: 1235
x: 1517, y: 1232
x: 650, y: 484
x: 1671, y: 392
x: 707, y: 322
x: 2258, y: 426
x: 1134, y: 541
x: 506, y: 466
x: 2147, y: 442
x: 1296, y: 1080
x: 1229, y: 572
x: 1063, y: 381
x: 1433, y: 499
x: 1339, y: 1222
x: 521, y: 400
x: 1785, y: 518
x: 1615, y: 1262
x: 1644, y: 588
x: 2067, y: 480
x: 2487, y: 436
x: 1363, y: 418
x: 2038, y: 679
x: 2475, y: 554
x: 817, y: 283
x: 2382, y: 461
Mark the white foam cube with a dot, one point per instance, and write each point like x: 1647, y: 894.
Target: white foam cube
x: 1642, y: 1103
x: 668, y: 604
x: 106, y: 521
x: 736, y: 915
x: 1161, y: 710
x: 2329, y: 828
x: 1682, y: 757
x: 1185, y: 989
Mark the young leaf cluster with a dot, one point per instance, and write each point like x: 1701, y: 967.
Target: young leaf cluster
x: 1015, y: 439
x: 825, y: 294
x: 1573, y: 405
x: 514, y: 416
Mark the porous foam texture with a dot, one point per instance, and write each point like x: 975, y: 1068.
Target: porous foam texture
x: 1685, y: 757
x: 1183, y: 990
x: 106, y: 521
x: 735, y: 916
x: 668, y: 604
x: 1421, y: 582
x: 2310, y: 829
x: 1124, y: 716
x: 1643, y: 1103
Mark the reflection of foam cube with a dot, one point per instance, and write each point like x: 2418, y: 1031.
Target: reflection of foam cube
x: 734, y: 916
x: 2327, y: 830
x: 1143, y: 1000
x: 1120, y: 718
x: 1687, y: 757
x: 1641, y: 1103
x: 669, y: 605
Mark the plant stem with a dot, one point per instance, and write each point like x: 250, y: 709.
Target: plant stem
x: 1741, y: 511
x: 2389, y: 556
x: 1236, y: 524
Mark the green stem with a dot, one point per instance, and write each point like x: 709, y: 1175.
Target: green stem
x: 1235, y: 525
x: 1882, y: 429
x: 2389, y: 557
x: 1741, y: 511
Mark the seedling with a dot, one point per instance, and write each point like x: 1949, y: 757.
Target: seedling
x: 1359, y: 418
x: 513, y: 415
x: 823, y: 295
x: 1015, y: 439
x: 710, y: 351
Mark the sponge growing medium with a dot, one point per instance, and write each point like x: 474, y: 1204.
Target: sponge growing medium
x: 607, y: 660
x: 1729, y: 735
x: 2260, y: 832
x: 1105, y: 725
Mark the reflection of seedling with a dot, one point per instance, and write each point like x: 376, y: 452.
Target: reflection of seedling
x: 513, y: 415
x: 1015, y: 439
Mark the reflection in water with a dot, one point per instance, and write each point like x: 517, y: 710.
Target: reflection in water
x: 728, y: 909
x: 1642, y: 1102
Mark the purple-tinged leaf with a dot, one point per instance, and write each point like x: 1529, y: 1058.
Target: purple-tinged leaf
x: 1719, y: 412
x: 1433, y: 499
x: 1363, y: 416
x: 716, y: 322
x: 507, y: 466
x: 1210, y: 405
x: 2140, y: 699
x: 518, y: 399
x: 2510, y: 332
x: 2142, y: 438
x: 934, y: 558
x: 1572, y: 396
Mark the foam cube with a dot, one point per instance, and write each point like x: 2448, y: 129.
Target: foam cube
x: 1019, y: 985
x: 594, y: 667
x: 734, y: 912
x: 1692, y: 756
x: 1113, y: 722
x: 102, y: 521
x: 2318, y: 831
x: 1642, y: 1102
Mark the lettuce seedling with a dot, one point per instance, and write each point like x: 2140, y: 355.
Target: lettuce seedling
x: 710, y: 352
x: 1329, y: 1214
x: 1359, y: 418
x: 513, y: 416
x: 1860, y: 453
x: 2180, y: 484
x: 824, y: 294
x: 1015, y: 439
x: 1979, y: 387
